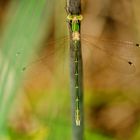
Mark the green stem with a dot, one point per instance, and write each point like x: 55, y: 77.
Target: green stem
x: 74, y: 8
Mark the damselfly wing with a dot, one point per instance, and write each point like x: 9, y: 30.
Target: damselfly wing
x: 100, y: 52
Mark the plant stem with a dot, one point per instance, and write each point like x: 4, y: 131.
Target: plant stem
x: 74, y: 8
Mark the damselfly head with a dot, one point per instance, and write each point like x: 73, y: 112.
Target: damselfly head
x: 74, y: 17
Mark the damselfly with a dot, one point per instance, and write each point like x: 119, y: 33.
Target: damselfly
x: 120, y: 54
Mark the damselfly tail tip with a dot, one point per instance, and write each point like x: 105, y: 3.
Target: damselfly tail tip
x: 77, y: 122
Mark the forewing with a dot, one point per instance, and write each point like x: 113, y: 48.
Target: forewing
x: 117, y: 55
x: 49, y: 62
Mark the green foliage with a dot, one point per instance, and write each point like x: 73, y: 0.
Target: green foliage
x: 27, y: 23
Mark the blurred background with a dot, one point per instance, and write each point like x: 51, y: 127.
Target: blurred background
x: 35, y: 100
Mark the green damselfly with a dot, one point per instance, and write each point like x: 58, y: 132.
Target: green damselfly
x: 75, y: 29
x: 120, y: 53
